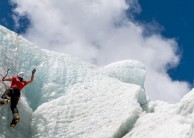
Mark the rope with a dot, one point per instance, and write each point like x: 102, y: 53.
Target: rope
x: 6, y: 65
x: 9, y: 55
x: 17, y: 51
x: 15, y: 68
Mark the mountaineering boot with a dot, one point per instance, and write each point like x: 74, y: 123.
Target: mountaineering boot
x: 15, y: 120
x: 4, y: 101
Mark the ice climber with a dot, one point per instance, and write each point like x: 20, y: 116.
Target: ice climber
x: 13, y: 94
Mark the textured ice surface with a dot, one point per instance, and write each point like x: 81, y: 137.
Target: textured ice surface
x: 98, y: 109
x: 128, y: 71
x: 73, y: 99
x: 166, y: 121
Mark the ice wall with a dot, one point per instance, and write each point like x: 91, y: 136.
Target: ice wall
x: 70, y: 93
x: 55, y: 71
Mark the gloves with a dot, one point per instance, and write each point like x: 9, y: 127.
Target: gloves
x: 33, y: 71
x: 3, y: 78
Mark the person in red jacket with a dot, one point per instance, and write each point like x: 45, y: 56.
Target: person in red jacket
x: 13, y: 94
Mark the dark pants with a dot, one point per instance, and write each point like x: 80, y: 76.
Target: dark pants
x: 14, y: 95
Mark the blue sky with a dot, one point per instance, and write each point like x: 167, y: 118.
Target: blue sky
x: 6, y: 17
x: 77, y: 32
x: 177, y: 20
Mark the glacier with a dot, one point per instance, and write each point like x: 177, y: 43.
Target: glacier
x: 70, y: 98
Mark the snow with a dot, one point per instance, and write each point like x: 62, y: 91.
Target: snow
x: 73, y: 99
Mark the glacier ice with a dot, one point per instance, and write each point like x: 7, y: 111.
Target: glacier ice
x: 91, y: 109
x: 167, y: 120
x: 73, y: 99
x: 128, y: 71
x: 61, y: 79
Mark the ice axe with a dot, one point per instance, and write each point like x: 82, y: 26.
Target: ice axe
x: 6, y: 74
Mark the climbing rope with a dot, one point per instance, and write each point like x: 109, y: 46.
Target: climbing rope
x: 9, y: 58
x: 17, y: 51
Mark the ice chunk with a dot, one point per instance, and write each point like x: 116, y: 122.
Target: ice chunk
x: 166, y: 120
x: 129, y: 71
x: 99, y: 109
x: 161, y: 125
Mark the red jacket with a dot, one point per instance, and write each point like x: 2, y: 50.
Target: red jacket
x: 16, y: 83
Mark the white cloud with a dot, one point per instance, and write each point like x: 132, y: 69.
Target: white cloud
x: 98, y: 31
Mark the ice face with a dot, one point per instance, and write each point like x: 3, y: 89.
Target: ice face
x: 69, y: 89
x: 57, y: 72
